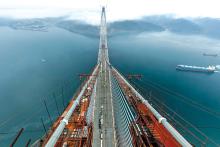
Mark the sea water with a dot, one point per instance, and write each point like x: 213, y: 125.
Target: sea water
x: 37, y: 65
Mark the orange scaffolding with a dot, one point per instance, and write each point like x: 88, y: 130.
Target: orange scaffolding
x: 77, y: 133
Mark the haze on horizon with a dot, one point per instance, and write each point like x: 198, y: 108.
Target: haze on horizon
x: 117, y: 9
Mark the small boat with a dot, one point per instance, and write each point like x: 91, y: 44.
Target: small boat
x: 43, y: 60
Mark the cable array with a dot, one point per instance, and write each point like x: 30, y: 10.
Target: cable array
x: 123, y: 115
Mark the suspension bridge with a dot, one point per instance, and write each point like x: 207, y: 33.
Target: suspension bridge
x: 110, y: 111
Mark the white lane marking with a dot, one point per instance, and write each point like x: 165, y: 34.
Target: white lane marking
x: 101, y: 142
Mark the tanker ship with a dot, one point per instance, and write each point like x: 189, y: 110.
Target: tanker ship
x: 209, y: 69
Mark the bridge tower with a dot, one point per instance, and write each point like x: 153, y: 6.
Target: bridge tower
x: 103, y: 44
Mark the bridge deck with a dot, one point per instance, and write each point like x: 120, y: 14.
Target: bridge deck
x: 103, y: 134
x: 136, y: 122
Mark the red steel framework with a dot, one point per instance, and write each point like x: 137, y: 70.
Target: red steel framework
x: 77, y: 133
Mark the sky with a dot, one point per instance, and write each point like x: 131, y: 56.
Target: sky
x: 88, y: 10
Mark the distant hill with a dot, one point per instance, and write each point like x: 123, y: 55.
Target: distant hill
x: 183, y: 26
x: 79, y: 27
x: 209, y: 27
x: 198, y: 26
x: 133, y: 26
x: 180, y: 25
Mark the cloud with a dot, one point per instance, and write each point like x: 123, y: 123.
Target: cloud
x: 116, y: 9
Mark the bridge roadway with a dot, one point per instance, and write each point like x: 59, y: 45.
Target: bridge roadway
x: 103, y: 132
x: 103, y: 121
x: 105, y: 126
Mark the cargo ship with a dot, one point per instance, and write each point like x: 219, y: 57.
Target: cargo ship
x: 209, y: 69
x: 212, y: 55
